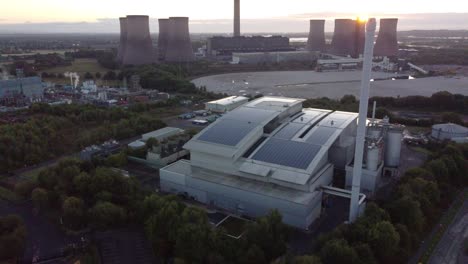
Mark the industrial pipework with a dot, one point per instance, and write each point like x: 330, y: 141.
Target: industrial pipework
x: 361, y: 130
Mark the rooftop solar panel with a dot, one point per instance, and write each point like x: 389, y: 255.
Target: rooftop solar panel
x: 289, y: 131
x: 287, y: 153
x: 227, y: 132
x: 321, y: 135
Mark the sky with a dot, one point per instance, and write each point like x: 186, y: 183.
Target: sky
x: 216, y: 15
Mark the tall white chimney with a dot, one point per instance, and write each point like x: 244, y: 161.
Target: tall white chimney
x: 361, y: 130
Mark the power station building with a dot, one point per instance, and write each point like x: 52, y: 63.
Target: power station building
x: 269, y: 153
x: 225, y: 46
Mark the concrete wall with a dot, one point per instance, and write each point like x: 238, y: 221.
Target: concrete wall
x: 240, y: 201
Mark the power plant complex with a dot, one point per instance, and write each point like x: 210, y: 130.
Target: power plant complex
x: 136, y: 46
x: 273, y: 153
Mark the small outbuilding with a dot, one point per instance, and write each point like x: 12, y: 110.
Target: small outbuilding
x: 226, y: 104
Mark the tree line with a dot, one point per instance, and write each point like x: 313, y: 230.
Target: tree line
x: 390, y: 231
x: 52, y: 131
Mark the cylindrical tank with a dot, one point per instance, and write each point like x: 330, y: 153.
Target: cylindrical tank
x: 179, y: 47
x: 123, y: 39
x: 139, y: 48
x: 393, y: 147
x: 316, y: 41
x: 163, y: 38
x: 374, y: 132
x: 373, y: 157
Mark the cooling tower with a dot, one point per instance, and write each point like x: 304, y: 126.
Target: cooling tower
x: 123, y: 39
x: 236, y: 18
x: 163, y: 38
x: 360, y: 38
x: 139, y: 48
x: 316, y: 40
x: 343, y: 42
x: 387, y: 43
x: 179, y: 46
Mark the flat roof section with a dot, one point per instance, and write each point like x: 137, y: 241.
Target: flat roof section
x: 287, y: 153
x: 227, y: 132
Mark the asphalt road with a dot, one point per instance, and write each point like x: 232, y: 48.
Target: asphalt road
x: 451, y: 244
x: 44, y: 239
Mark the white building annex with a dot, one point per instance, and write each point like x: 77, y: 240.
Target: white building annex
x: 267, y: 154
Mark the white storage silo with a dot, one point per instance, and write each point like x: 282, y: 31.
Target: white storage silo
x: 393, y: 147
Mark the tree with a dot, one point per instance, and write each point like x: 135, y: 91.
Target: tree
x: 255, y: 255
x: 88, y: 76
x: 12, y: 237
x: 74, y: 212
x: 98, y: 75
x: 440, y: 171
x: 408, y: 212
x: 338, y: 251
x: 25, y: 188
x: 365, y: 254
x: 307, y: 260
x: 110, y: 75
x: 106, y: 214
x: 40, y: 198
x: 384, y: 240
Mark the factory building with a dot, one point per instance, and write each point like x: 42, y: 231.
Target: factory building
x: 31, y: 87
x: 226, y: 104
x: 274, y: 57
x: 267, y: 154
x: 382, y: 152
x: 225, y: 46
x: 450, y: 131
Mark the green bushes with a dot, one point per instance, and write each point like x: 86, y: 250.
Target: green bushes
x: 389, y: 233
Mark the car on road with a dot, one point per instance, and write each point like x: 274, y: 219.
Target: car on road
x: 187, y: 116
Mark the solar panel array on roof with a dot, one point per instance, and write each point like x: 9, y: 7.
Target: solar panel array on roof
x: 321, y: 135
x: 287, y: 153
x: 289, y: 131
x: 227, y: 132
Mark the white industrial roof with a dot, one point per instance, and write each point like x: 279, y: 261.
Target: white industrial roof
x: 229, y: 100
x: 291, y: 153
x: 162, y: 133
x: 453, y: 129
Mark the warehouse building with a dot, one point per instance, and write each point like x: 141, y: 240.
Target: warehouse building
x: 267, y: 154
x: 31, y: 87
x: 225, y: 46
x: 275, y: 57
x: 226, y: 104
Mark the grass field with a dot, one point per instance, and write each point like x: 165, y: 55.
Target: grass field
x: 80, y: 66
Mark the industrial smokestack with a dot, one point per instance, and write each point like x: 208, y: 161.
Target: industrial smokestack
x: 139, y: 48
x: 387, y: 43
x: 237, y: 18
x: 179, y: 46
x: 163, y: 38
x: 316, y: 41
x: 361, y: 129
x: 343, y: 42
x: 123, y: 39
